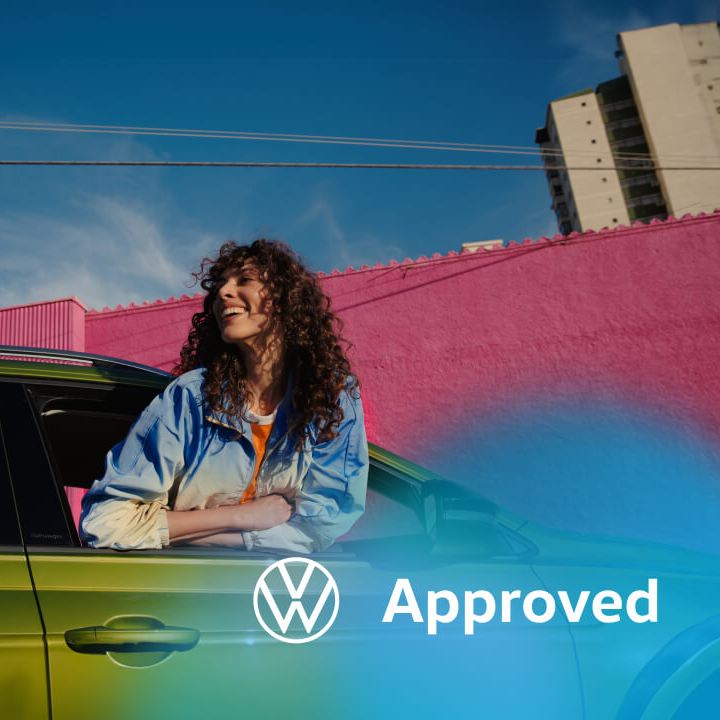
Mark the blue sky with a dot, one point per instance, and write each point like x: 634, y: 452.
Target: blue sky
x: 469, y: 72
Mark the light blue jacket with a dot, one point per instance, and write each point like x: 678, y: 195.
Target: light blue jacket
x: 179, y: 456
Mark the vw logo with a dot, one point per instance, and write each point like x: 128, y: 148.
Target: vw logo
x: 315, y: 582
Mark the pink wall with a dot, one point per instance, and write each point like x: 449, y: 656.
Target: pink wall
x: 571, y: 380
x: 627, y: 314
x: 631, y: 314
x: 152, y: 333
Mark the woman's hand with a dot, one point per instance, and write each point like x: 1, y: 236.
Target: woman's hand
x: 260, y: 514
x: 221, y: 526
x: 263, y: 513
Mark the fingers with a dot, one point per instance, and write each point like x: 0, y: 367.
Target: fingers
x: 291, y: 503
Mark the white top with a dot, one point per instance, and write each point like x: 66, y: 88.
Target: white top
x: 255, y: 419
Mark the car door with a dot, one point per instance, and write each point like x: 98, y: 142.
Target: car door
x: 174, y: 633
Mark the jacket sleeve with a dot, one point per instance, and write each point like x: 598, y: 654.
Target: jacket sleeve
x: 332, y: 497
x: 126, y: 508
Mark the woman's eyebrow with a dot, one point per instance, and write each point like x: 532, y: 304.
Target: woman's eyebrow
x: 241, y: 273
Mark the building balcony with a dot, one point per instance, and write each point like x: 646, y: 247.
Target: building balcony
x: 632, y: 178
x: 632, y: 131
x: 614, y: 114
x: 655, y: 199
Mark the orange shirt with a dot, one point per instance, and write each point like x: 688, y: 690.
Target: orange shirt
x: 260, y: 435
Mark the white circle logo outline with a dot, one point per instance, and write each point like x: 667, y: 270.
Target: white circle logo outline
x: 309, y: 563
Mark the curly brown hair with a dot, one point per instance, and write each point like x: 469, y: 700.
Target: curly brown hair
x: 315, y: 351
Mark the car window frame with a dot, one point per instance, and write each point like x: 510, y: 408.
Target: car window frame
x: 17, y: 403
x: 31, y: 477
x: 11, y: 538
x: 18, y: 411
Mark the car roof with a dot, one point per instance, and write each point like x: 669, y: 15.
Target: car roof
x: 53, y: 364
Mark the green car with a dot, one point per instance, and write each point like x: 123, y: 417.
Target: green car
x: 444, y: 604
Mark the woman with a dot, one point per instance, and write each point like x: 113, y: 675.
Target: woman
x: 260, y: 442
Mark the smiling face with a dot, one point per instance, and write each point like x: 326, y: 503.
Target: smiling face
x: 242, y: 306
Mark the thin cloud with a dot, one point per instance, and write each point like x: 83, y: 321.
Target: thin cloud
x: 125, y: 244
x: 339, y: 249
x: 111, y: 252
x: 136, y: 241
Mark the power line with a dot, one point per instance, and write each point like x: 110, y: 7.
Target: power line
x: 334, y: 140
x: 275, y: 137
x: 243, y: 135
x: 357, y: 166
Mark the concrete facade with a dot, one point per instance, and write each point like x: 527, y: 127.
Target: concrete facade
x: 582, y: 199
x: 670, y: 69
x: 664, y: 108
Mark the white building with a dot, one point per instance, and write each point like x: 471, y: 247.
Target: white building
x: 634, y: 148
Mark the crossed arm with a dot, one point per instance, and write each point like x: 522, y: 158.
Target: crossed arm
x: 128, y: 508
x: 224, y: 525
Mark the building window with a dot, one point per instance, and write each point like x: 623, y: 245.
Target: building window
x: 615, y: 220
x: 593, y: 141
x: 599, y: 160
x: 604, y: 179
x: 589, y: 122
x: 583, y: 103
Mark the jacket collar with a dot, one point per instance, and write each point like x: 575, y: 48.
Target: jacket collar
x: 242, y: 426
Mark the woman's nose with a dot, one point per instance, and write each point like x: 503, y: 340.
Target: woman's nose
x: 226, y: 289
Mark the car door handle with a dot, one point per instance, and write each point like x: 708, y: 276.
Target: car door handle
x: 131, y: 635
